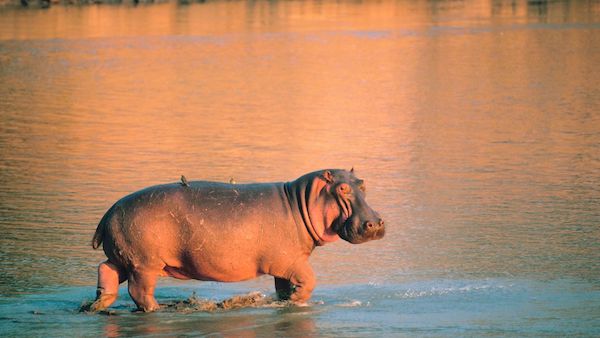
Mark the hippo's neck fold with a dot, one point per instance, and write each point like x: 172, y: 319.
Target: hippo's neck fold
x: 297, y: 194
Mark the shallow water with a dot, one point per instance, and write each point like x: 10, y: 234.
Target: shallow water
x: 475, y: 125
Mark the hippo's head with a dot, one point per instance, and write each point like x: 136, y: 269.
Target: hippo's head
x: 357, y: 222
x: 335, y: 207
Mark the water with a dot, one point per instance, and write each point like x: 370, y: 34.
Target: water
x: 474, y: 124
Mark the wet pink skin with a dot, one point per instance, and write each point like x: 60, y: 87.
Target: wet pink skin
x: 225, y: 232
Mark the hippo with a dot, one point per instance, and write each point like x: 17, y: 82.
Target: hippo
x: 226, y: 232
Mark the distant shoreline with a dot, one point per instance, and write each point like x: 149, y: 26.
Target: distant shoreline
x: 50, y: 3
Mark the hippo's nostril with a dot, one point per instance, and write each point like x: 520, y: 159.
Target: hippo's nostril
x: 381, y: 222
x: 369, y: 224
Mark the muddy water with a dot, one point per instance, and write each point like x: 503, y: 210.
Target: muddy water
x: 474, y: 123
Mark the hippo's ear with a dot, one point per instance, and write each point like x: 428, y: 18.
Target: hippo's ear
x: 352, y: 170
x: 328, y: 176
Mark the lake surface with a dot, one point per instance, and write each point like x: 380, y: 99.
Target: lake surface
x: 476, y: 125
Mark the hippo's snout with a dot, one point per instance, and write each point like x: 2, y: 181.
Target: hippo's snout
x: 374, y: 230
x: 356, y: 232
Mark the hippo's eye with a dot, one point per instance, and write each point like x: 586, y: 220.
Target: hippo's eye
x: 344, y: 188
x: 361, y: 185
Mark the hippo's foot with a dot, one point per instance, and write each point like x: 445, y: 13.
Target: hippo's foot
x: 146, y: 304
x: 102, y: 302
x: 141, y: 289
x: 147, y: 308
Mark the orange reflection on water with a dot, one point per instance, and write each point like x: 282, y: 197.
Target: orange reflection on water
x: 472, y: 123
x: 226, y: 17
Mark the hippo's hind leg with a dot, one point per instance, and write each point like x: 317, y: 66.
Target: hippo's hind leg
x: 141, y: 286
x: 109, y: 278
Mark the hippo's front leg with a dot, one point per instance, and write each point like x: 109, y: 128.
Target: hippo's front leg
x: 299, y: 286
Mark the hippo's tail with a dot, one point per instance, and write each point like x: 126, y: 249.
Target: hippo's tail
x: 100, y: 230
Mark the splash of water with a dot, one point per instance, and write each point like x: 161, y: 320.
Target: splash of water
x: 252, y: 299
x: 196, y: 304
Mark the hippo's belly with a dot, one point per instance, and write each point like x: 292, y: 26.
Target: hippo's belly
x: 212, y: 272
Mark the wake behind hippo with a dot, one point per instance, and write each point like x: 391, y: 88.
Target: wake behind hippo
x: 224, y: 232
